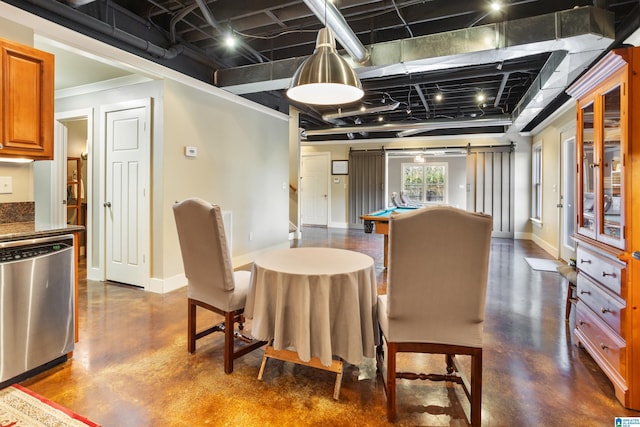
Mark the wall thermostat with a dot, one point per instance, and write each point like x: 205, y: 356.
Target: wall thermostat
x: 190, y: 151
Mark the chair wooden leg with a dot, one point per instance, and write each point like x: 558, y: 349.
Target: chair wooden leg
x: 450, y: 364
x: 191, y: 327
x: 570, y: 300
x: 391, y: 381
x: 229, y: 342
x: 476, y: 388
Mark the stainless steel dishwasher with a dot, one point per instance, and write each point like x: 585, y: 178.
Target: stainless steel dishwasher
x: 36, y: 305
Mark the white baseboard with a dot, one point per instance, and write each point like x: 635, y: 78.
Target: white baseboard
x: 162, y: 286
x: 523, y: 236
x: 552, y: 250
x: 338, y: 225
x: 95, y: 274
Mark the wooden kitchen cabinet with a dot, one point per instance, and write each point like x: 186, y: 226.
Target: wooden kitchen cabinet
x: 608, y: 219
x: 26, y: 107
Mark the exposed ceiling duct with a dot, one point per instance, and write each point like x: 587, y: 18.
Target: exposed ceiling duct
x: 359, y: 111
x: 454, y: 49
x: 579, y: 36
x: 78, y: 3
x: 424, y: 126
x: 331, y: 17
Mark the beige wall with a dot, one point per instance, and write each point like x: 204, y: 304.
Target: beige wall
x: 340, y: 151
x: 242, y: 165
x: 16, y: 32
x: 546, y: 233
x: 21, y: 175
x: 294, y: 164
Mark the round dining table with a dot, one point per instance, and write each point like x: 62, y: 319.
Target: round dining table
x: 315, y: 307
x: 319, y: 302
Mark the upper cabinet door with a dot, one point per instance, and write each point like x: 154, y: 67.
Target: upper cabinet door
x: 611, y: 204
x: 601, y: 162
x: 26, y: 107
x: 587, y: 171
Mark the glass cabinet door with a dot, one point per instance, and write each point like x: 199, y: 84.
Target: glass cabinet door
x: 587, y: 219
x: 611, y: 203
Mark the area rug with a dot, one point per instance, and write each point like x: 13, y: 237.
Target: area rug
x: 20, y: 407
x: 541, y: 264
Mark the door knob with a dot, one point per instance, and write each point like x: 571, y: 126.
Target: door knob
x: 107, y: 204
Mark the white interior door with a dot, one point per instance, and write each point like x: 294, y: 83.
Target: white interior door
x: 127, y: 194
x: 567, y: 199
x: 314, y: 187
x: 49, y: 178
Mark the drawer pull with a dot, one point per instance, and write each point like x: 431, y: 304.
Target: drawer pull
x: 605, y: 310
x: 585, y: 292
x: 604, y: 274
x: 585, y: 261
x: 582, y: 322
x: 603, y: 346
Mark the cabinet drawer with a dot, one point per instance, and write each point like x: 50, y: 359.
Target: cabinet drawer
x: 608, y: 307
x: 606, y: 343
x: 608, y: 272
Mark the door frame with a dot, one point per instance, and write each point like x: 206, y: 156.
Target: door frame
x: 145, y: 232
x: 61, y: 162
x: 567, y: 168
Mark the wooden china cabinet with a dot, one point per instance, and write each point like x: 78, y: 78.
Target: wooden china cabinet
x: 608, y: 219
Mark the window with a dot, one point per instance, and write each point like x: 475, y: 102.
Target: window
x: 536, y: 182
x: 425, y: 183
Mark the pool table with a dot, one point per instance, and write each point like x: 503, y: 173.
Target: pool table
x: 381, y: 221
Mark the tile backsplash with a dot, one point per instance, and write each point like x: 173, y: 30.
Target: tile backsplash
x: 17, y: 212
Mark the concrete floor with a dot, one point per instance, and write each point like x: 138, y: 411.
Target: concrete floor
x: 131, y: 366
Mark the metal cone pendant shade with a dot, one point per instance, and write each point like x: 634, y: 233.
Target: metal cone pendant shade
x: 325, y: 78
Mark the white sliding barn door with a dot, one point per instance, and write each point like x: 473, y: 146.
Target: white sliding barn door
x: 490, y: 186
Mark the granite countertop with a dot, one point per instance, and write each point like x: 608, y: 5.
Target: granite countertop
x: 31, y: 230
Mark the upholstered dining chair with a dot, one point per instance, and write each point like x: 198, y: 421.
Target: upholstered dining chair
x: 212, y: 282
x: 435, y: 300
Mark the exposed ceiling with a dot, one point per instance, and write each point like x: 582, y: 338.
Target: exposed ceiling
x: 521, y: 58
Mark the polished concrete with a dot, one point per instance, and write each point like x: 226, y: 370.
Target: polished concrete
x: 131, y: 366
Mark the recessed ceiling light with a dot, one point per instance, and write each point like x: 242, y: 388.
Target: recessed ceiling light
x: 230, y: 40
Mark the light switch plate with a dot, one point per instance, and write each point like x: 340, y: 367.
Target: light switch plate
x: 6, y: 185
x: 190, y: 151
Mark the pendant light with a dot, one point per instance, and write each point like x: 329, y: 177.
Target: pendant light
x: 325, y: 78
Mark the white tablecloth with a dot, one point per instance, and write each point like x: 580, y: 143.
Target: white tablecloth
x: 319, y: 301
